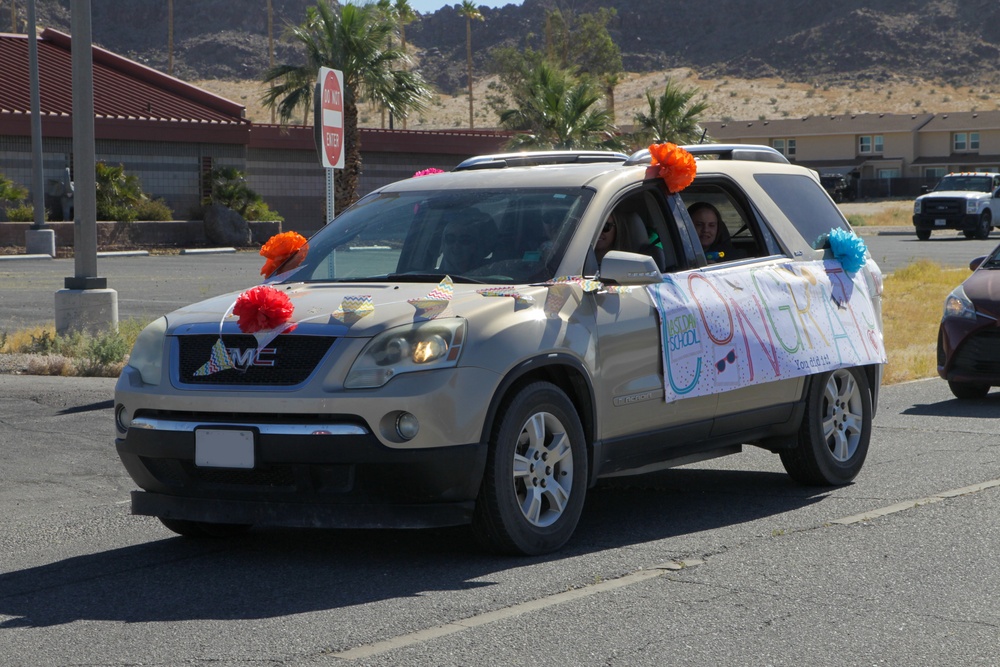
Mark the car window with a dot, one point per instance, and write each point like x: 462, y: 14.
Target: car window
x: 804, y: 203
x: 482, y: 235
x: 647, y: 228
x: 739, y: 236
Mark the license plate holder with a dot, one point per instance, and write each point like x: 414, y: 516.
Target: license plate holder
x: 224, y: 448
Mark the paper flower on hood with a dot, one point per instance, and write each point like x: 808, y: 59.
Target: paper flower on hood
x: 677, y: 166
x: 278, y: 249
x: 262, y: 308
x: 428, y: 172
x: 847, y: 247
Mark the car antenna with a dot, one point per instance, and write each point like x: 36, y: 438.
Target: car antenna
x: 703, y: 133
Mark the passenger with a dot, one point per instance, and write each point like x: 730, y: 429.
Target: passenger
x: 466, y: 242
x: 712, y: 231
x: 614, y: 235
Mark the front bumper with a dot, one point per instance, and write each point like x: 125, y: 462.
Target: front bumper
x: 930, y: 222
x: 316, y: 480
x: 969, y: 351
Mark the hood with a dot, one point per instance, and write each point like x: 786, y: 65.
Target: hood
x: 983, y: 289
x: 958, y: 194
x: 323, y: 305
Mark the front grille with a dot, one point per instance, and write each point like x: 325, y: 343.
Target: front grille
x: 979, y: 354
x: 287, y: 360
x: 944, y: 207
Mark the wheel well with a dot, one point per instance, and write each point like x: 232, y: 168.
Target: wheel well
x: 564, y: 374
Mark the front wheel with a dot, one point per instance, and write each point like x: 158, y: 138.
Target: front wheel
x: 985, y: 226
x: 835, y: 431
x: 923, y: 234
x: 533, y: 489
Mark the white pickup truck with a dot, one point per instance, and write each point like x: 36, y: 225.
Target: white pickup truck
x: 965, y: 201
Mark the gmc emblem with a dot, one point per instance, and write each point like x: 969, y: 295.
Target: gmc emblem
x: 255, y: 356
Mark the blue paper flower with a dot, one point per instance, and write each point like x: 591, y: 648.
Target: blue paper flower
x: 848, y: 247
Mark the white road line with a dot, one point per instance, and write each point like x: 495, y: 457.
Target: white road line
x: 370, y: 650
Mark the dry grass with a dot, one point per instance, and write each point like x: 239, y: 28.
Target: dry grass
x: 912, y: 304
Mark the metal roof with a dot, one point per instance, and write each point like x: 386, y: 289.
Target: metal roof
x: 124, y: 90
x: 851, y: 124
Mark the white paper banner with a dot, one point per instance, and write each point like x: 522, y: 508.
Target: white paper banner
x: 721, y: 330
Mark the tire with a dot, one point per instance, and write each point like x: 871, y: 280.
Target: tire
x: 835, y: 431
x: 923, y: 234
x: 985, y: 226
x: 200, y: 529
x: 533, y: 489
x: 968, y: 390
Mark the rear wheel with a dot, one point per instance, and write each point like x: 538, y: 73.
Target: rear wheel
x: 536, y: 474
x: 835, y: 431
x: 202, y: 529
x: 923, y: 234
x: 968, y: 390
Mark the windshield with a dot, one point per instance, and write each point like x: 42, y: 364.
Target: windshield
x: 491, y: 236
x: 967, y: 183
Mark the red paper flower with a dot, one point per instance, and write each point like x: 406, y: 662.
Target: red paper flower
x: 262, y: 308
x: 677, y: 166
x: 278, y: 249
x: 428, y: 172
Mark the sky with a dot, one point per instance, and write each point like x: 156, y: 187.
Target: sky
x: 428, y: 6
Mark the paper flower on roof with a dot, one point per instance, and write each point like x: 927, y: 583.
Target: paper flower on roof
x: 847, y: 247
x: 436, y: 301
x: 262, y: 308
x: 677, y: 166
x: 428, y: 172
x: 278, y: 249
x: 353, y: 308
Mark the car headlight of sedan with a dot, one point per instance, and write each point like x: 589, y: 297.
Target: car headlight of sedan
x: 971, y: 206
x: 147, y: 353
x: 416, y: 347
x: 958, y: 305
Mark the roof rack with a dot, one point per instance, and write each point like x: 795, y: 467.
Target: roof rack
x: 750, y: 152
x: 533, y: 158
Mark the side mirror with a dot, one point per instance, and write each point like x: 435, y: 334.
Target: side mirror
x: 629, y: 268
x: 974, y: 264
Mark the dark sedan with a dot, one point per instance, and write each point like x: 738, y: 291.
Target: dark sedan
x: 969, y: 337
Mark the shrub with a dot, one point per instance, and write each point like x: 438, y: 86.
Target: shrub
x: 229, y: 188
x: 261, y: 211
x: 21, y: 213
x: 153, y: 209
x: 118, y: 193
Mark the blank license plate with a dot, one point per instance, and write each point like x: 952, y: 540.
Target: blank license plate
x: 940, y: 222
x: 223, y: 448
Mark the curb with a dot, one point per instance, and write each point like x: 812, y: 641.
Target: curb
x: 123, y: 253
x: 206, y: 251
x: 13, y: 257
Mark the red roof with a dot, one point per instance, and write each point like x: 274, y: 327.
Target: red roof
x: 128, y: 97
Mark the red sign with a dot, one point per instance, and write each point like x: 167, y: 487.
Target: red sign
x: 331, y: 118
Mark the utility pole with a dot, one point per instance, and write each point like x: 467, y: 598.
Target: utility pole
x: 37, y: 240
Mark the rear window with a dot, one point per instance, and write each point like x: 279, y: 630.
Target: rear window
x: 804, y: 203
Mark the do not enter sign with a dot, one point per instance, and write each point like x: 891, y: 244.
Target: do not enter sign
x: 330, y: 118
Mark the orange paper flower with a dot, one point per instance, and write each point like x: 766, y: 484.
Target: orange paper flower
x: 278, y: 249
x: 677, y: 166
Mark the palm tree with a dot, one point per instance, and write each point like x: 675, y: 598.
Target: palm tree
x: 671, y: 116
x: 355, y: 40
x: 471, y: 13
x: 556, y: 110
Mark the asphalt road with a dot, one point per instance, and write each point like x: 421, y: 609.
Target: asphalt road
x: 773, y: 573
x: 151, y: 286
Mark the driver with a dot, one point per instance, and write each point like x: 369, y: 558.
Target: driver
x: 466, y: 242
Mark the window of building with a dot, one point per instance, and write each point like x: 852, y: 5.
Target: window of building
x: 869, y: 144
x: 888, y: 173
x: 934, y: 172
x: 965, y: 141
x: 784, y: 146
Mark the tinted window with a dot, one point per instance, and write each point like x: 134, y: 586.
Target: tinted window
x: 804, y: 203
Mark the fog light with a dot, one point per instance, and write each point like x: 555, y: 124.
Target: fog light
x: 122, y: 418
x: 407, y: 426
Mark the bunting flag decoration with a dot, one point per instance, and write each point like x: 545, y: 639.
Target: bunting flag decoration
x: 508, y: 291
x: 353, y: 308
x: 436, y: 301
x: 219, y: 360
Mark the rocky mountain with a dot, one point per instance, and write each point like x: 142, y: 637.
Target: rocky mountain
x: 952, y: 41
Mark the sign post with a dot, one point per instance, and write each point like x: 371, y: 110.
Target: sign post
x: 328, y: 127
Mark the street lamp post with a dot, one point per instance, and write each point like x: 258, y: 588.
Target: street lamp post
x: 37, y: 240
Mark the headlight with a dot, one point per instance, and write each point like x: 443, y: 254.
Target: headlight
x: 916, y: 207
x: 958, y: 305
x: 971, y: 205
x: 415, y: 347
x: 147, y: 353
